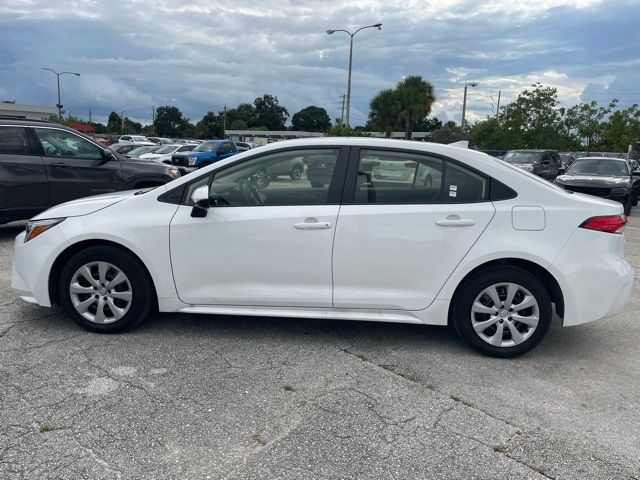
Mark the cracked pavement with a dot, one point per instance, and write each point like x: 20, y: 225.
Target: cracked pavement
x: 192, y: 396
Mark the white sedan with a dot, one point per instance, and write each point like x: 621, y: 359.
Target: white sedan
x: 164, y: 153
x: 483, y: 246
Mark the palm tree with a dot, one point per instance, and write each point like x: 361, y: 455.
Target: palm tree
x: 383, y: 111
x: 415, y: 97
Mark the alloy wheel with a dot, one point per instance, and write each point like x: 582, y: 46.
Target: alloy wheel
x: 100, y: 292
x: 505, y: 314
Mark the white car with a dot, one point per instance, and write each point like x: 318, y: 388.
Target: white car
x: 134, y: 138
x: 164, y: 153
x: 486, y: 247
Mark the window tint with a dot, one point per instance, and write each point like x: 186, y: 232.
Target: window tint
x: 13, y: 140
x: 408, y: 178
x: 60, y: 143
x: 297, y: 177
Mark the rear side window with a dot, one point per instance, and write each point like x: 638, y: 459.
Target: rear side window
x: 387, y: 177
x: 13, y: 140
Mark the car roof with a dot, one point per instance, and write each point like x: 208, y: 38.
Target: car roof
x: 532, y: 150
x: 27, y: 122
x: 601, y: 158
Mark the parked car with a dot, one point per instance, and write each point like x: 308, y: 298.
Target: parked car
x: 160, y: 140
x: 206, y: 153
x: 242, y: 146
x: 43, y: 164
x: 488, y: 248
x: 603, y: 177
x: 164, y: 153
x: 126, y: 147
x: 566, y: 159
x: 292, y: 168
x: 136, y: 152
x: 544, y: 163
x: 132, y: 138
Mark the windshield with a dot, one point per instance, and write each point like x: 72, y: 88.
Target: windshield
x: 612, y: 168
x: 522, y: 157
x: 167, y: 149
x: 206, y: 147
x: 139, y: 151
x: 138, y: 138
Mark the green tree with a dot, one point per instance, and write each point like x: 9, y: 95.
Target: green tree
x: 237, y: 125
x: 621, y: 129
x: 311, y: 119
x: 210, y: 126
x: 245, y: 113
x: 415, y: 97
x: 448, y: 133
x: 491, y: 135
x: 384, y: 109
x: 587, y: 120
x: 114, y: 123
x: 269, y: 113
x: 168, y: 122
x: 344, y: 131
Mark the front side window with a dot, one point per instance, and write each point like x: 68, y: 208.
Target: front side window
x: 387, y: 177
x: 295, y: 177
x: 60, y: 143
x: 13, y: 140
x: 206, y: 147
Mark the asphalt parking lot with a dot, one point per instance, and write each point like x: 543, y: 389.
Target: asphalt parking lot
x: 187, y: 396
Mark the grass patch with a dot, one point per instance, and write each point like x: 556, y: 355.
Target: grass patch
x: 362, y: 357
x: 45, y: 427
x: 389, y: 367
x: 259, y: 439
x: 500, y: 449
x: 289, y: 388
x: 455, y: 398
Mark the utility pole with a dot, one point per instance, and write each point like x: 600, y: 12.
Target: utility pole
x: 498, y: 107
x: 89, y: 116
x: 464, y: 102
x: 343, y: 100
x: 224, y: 122
x: 122, y: 124
x: 153, y: 120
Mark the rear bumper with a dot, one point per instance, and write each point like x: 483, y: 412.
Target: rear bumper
x: 595, y: 278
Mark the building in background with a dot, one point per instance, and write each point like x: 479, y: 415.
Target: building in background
x: 28, y: 112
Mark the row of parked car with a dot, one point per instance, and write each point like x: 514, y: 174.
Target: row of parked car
x: 607, y: 177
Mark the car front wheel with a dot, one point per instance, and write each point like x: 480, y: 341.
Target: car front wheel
x: 502, y: 311
x: 105, y: 289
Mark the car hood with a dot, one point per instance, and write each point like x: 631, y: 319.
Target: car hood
x: 592, y: 180
x: 84, y: 206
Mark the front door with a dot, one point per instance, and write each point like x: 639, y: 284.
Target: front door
x: 75, y: 166
x: 256, y: 246
x: 411, y: 220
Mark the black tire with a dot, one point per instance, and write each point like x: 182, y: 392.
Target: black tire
x: 627, y: 205
x: 472, y: 287
x: 143, y: 300
x: 296, y: 173
x: 635, y: 201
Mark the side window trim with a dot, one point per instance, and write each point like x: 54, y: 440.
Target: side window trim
x: 35, y: 136
x: 336, y: 188
x: 351, y: 178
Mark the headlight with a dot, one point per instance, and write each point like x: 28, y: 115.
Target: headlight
x: 191, y: 161
x: 36, y: 227
x: 174, y: 173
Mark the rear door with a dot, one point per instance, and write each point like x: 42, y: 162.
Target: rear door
x: 399, y: 237
x: 24, y: 191
x: 75, y: 166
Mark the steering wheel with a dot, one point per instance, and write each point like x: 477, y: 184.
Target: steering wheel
x: 250, y: 192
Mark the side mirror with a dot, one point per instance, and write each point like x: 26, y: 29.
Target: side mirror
x: 108, y: 156
x: 201, y: 208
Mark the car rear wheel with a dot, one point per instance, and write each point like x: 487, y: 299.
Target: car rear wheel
x: 627, y: 205
x: 106, y: 290
x: 296, y: 173
x: 502, y: 311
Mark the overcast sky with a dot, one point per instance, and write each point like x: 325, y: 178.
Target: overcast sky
x: 202, y: 54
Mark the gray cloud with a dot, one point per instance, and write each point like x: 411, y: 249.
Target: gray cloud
x: 205, y: 54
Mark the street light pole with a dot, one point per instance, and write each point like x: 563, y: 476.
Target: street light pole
x: 464, y: 102
x: 59, y: 104
x: 351, y: 35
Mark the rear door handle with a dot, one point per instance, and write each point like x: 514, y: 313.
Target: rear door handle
x: 455, y: 221
x: 60, y: 165
x: 312, y: 224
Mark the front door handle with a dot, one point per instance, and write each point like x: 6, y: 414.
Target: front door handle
x: 455, y: 221
x: 312, y: 224
x: 60, y: 165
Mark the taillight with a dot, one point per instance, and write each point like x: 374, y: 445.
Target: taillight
x: 608, y: 223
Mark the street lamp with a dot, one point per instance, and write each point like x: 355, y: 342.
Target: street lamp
x: 351, y: 35
x: 59, y: 105
x: 464, y: 102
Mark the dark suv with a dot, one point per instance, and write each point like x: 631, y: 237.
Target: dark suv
x: 43, y: 164
x: 544, y: 163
